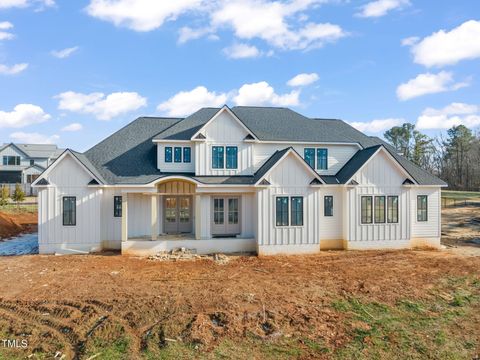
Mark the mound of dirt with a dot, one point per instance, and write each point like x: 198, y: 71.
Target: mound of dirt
x: 13, y: 224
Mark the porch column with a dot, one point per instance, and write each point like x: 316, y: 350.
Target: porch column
x: 198, y: 217
x: 154, y: 217
x: 124, y: 217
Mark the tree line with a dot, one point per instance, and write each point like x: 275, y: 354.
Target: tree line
x: 454, y: 157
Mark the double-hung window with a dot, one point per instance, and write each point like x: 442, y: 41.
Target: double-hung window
x: 392, y: 209
x: 379, y: 209
x: 218, y: 158
x: 328, y: 205
x: 322, y: 159
x: 69, y: 210
x: 367, y: 210
x: 177, y: 154
x: 187, y: 154
x: 422, y: 208
x: 281, y: 211
x: 309, y: 155
x: 232, y: 157
x: 117, y: 206
x: 168, y: 154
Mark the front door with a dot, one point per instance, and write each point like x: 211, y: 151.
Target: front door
x: 178, y: 214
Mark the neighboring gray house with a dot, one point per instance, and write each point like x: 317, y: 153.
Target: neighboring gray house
x: 23, y: 163
x: 261, y: 179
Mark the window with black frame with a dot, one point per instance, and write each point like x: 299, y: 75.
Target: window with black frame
x: 281, y: 211
x: 328, y: 205
x: 69, y: 211
x: 367, y: 210
x: 296, y: 205
x: 422, y: 208
x: 117, y: 206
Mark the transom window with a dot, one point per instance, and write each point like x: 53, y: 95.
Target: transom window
x: 284, y: 207
x: 117, y: 206
x: 320, y: 162
x: 69, y: 210
x: 379, y: 209
x: 328, y: 205
x: 174, y: 154
x: 11, y: 160
x: 422, y: 208
x: 224, y: 157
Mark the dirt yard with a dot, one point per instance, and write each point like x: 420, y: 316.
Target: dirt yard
x: 375, y: 304
x: 15, y: 223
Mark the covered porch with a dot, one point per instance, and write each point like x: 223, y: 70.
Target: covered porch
x: 176, y: 213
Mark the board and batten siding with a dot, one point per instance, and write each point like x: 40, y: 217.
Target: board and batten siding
x: 224, y: 131
x: 379, y: 177
x: 338, y: 155
x: 288, y: 178
x: 175, y: 166
x: 69, y: 179
x: 331, y: 227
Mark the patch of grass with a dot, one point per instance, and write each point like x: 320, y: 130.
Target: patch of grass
x: 118, y: 349
x: 412, y: 329
x: 460, y: 194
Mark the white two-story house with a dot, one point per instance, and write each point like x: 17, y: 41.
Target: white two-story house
x: 257, y: 179
x: 23, y: 163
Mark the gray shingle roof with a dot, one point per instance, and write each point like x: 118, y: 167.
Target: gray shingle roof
x: 355, y: 163
x: 129, y: 155
x: 44, y: 151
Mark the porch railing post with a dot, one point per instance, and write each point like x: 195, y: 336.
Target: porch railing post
x: 124, y: 217
x: 198, y: 217
x: 154, y: 217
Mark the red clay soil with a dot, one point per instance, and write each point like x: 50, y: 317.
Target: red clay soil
x: 71, y: 299
x: 13, y: 224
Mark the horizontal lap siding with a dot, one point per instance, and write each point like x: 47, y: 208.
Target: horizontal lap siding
x: 173, y: 166
x: 430, y: 228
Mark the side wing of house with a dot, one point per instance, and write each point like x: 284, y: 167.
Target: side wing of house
x: 288, y: 209
x: 69, y: 210
x: 12, y: 163
x: 381, y: 210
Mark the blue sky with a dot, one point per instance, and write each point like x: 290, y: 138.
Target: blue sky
x: 72, y: 72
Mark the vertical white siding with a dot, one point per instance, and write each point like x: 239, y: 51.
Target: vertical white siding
x: 69, y: 179
x: 111, y: 226
x: 139, y: 215
x: 379, y: 177
x: 173, y: 166
x: 289, y: 178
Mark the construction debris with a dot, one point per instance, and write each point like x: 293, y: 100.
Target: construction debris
x: 182, y: 253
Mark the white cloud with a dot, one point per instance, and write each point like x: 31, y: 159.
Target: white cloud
x: 23, y: 115
x: 452, y: 115
x: 303, y: 79
x: 140, y: 15
x: 448, y: 48
x: 269, y: 21
x: 428, y: 84
x: 187, y: 102
x: 12, y: 70
x: 187, y: 33
x: 380, y: 8
x: 261, y: 93
x: 5, y: 4
x: 409, y: 41
x: 5, y: 35
x: 101, y: 106
x: 241, y: 51
x: 62, y: 54
x: 378, y: 126
x: 33, y: 138
x: 73, y: 127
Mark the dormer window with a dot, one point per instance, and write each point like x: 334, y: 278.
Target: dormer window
x: 321, y: 159
x: 178, y: 154
x: 224, y: 157
x: 168, y: 154
x: 187, y: 154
